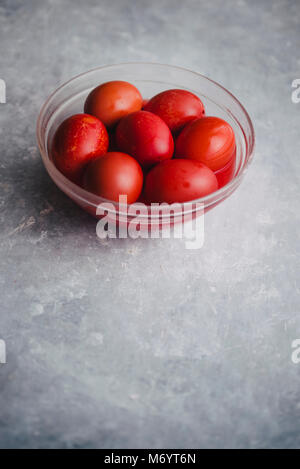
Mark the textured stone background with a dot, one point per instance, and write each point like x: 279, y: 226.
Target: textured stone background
x: 146, y: 344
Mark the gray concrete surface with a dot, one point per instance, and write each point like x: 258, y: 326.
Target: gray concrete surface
x: 143, y: 343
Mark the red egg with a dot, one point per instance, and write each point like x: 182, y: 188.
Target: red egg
x: 146, y: 137
x: 176, y: 108
x: 114, y: 174
x: 113, y: 100
x: 78, y: 140
x: 179, y: 180
x: 209, y: 140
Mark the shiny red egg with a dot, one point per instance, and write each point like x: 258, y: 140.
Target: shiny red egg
x: 176, y: 108
x: 179, y: 180
x: 77, y: 141
x: 114, y: 174
x: 146, y: 137
x: 210, y: 140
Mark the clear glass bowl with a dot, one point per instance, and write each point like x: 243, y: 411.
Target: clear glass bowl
x: 150, y: 79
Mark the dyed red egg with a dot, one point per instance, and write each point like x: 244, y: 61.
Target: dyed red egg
x: 146, y: 137
x: 179, y: 180
x: 210, y: 140
x: 78, y: 140
x: 114, y: 174
x: 176, y: 108
x: 113, y: 100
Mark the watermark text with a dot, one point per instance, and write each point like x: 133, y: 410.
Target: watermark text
x: 2, y: 91
x: 177, y: 220
x: 2, y: 352
x: 296, y: 352
x: 296, y: 92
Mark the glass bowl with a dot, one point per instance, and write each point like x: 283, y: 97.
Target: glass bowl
x: 150, y: 79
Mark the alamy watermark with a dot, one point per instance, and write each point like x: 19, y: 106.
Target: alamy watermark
x: 2, y: 352
x: 2, y: 91
x: 296, y: 351
x: 178, y: 220
x: 296, y: 93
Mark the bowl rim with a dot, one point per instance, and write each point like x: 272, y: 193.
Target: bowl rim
x: 95, y: 200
